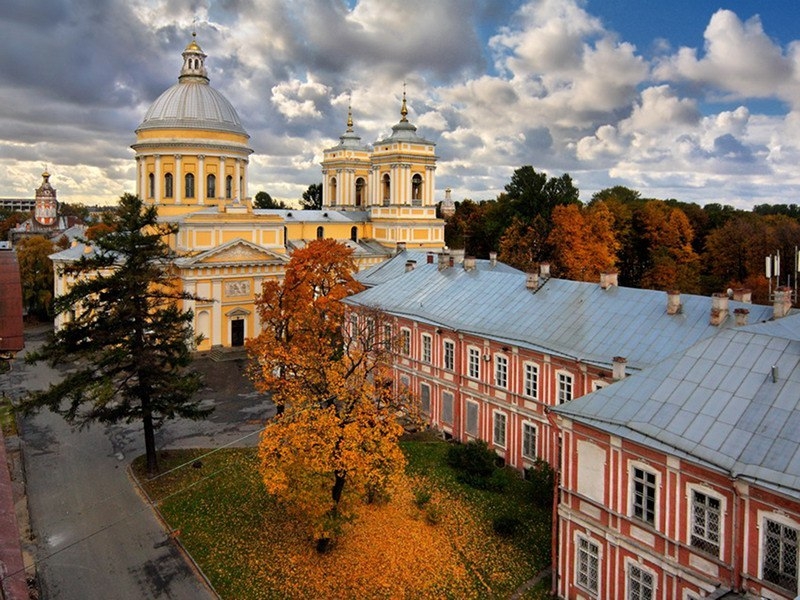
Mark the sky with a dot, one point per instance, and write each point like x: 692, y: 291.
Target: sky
x: 687, y: 99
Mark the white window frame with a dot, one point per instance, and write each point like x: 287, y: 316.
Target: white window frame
x: 565, y: 381
x: 469, y: 405
x: 692, y: 490
x: 426, y: 354
x: 425, y: 386
x: 583, y: 558
x: 632, y: 505
x: 501, y: 370
x: 387, y: 336
x: 529, y: 425
x: 474, y: 362
x: 449, y: 355
x: 530, y: 380
x: 405, y: 341
x: 783, y: 521
x: 496, y: 416
x: 630, y: 565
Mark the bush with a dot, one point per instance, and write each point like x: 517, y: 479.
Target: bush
x: 421, y: 497
x: 542, y: 479
x: 502, y: 479
x: 506, y: 525
x: 474, y: 461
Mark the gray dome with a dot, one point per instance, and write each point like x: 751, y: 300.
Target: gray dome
x: 193, y: 105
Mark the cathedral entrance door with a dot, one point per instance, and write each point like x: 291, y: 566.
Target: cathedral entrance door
x: 237, y: 332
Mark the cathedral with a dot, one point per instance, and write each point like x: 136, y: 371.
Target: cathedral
x: 192, y: 154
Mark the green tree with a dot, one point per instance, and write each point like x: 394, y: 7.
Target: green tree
x: 129, y: 337
x: 530, y: 193
x: 312, y: 197
x: 10, y: 219
x: 264, y: 200
x: 36, y: 274
x: 75, y: 209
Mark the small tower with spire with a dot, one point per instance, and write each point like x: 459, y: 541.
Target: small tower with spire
x: 345, y: 171
x: 46, y: 212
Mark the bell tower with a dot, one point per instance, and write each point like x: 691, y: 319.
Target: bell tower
x: 46, y: 212
x: 345, y: 172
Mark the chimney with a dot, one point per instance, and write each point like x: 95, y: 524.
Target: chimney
x: 740, y: 314
x: 719, y: 309
x: 619, y: 368
x: 401, y: 247
x: 469, y: 263
x: 544, y: 270
x: 607, y: 280
x: 451, y: 261
x: 458, y: 255
x: 743, y: 295
x: 410, y: 264
x: 444, y: 260
x: 429, y: 258
x: 532, y: 281
x: 782, y: 302
x: 493, y: 258
x: 674, y: 302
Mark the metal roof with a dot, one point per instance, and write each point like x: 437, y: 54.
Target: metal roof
x: 730, y: 401
x: 574, y: 319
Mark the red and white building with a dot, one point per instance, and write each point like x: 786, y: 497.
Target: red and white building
x: 499, y: 355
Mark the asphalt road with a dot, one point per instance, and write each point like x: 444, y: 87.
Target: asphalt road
x: 95, y: 536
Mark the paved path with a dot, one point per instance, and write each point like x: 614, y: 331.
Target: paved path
x: 95, y: 536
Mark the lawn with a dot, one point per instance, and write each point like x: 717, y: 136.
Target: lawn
x: 435, y: 539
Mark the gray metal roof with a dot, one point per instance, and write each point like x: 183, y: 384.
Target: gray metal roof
x: 568, y: 318
x: 731, y: 401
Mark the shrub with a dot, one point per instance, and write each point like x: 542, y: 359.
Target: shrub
x: 506, y: 525
x: 474, y: 461
x: 421, y: 497
x: 542, y: 479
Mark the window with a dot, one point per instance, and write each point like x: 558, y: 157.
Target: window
x: 705, y: 522
x: 425, y: 398
x: 360, y: 185
x: 500, y: 371
x: 529, y: 441
x: 640, y: 584
x: 228, y: 186
x: 333, y: 190
x: 416, y: 188
x: 387, y: 337
x: 780, y: 555
x: 644, y: 495
x: 587, y: 565
x: 320, y: 232
x: 189, y: 181
x: 370, y: 333
x: 211, y: 186
x: 387, y: 187
x: 354, y: 234
x: 531, y: 383
x: 474, y: 363
x: 354, y: 326
x: 168, y: 185
x: 151, y: 186
x: 447, y: 408
x: 499, y: 429
x: 405, y: 341
x: 564, y: 387
x: 449, y: 355
x: 405, y: 382
x: 427, y: 342
x: 472, y: 419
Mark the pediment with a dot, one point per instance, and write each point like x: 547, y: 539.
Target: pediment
x: 238, y: 251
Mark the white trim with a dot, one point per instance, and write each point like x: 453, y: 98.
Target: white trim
x: 535, y: 427
x: 634, y: 464
x: 557, y: 380
x: 629, y: 562
x: 525, y: 364
x: 781, y: 519
x: 504, y: 414
x: 576, y: 537
x: 691, y: 488
x: 495, y: 371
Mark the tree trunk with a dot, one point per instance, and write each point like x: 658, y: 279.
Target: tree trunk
x: 324, y: 543
x: 149, y: 439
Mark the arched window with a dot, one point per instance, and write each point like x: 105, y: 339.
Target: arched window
x: 151, y: 186
x: 354, y: 233
x: 189, y: 179
x: 360, y: 189
x: 229, y: 186
x: 416, y: 188
x: 285, y: 235
x: 333, y: 191
x: 320, y: 232
x: 387, y: 189
x: 211, y: 186
x: 168, y: 190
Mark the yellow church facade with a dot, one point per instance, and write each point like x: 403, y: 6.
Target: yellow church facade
x: 192, y: 156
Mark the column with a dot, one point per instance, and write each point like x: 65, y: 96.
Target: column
x: 244, y: 178
x: 157, y: 186
x: 237, y: 173
x: 223, y: 176
x: 429, y: 198
x: 200, y: 192
x: 178, y: 185
x: 141, y: 184
x: 216, y: 313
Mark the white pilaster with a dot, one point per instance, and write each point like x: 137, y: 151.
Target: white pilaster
x: 201, y: 184
x: 178, y: 184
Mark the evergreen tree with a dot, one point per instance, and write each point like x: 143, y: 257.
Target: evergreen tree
x: 129, y: 337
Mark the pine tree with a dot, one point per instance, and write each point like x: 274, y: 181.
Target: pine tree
x: 128, y: 337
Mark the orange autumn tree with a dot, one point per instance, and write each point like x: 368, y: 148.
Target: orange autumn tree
x: 337, y: 423
x: 583, y: 241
